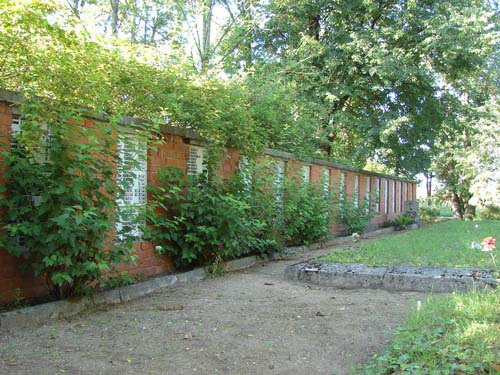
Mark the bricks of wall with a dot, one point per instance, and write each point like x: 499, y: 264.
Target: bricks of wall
x: 316, y: 173
x: 349, y: 185
x: 174, y: 152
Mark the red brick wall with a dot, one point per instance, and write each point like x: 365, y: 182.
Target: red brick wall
x: 14, y: 277
x: 174, y: 151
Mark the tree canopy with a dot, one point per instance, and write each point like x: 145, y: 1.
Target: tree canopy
x: 391, y: 82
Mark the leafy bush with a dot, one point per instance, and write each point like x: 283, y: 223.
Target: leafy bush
x: 489, y: 213
x: 354, y: 216
x: 388, y: 223
x: 402, y: 221
x: 302, y: 214
x: 428, y: 213
x: 307, y: 213
x: 399, y: 223
x: 60, y: 203
x: 197, y: 220
x: 255, y: 187
x: 433, y: 207
x: 121, y: 278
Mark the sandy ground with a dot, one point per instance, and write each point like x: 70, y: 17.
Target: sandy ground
x: 247, y: 322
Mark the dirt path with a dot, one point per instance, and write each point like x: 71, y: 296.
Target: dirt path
x: 249, y: 322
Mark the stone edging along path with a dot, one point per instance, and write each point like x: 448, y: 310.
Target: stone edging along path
x: 44, y: 313
x: 407, y: 278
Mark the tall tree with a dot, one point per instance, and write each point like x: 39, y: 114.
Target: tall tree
x: 75, y: 6
x: 217, y: 28
x: 467, y: 158
x: 382, y: 70
x: 150, y: 22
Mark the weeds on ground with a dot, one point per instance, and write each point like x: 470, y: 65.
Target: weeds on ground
x: 457, y: 334
x: 122, y: 278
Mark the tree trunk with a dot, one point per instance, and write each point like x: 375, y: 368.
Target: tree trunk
x: 206, y: 32
x: 470, y: 212
x: 428, y: 184
x: 457, y: 206
x: 114, y: 16
x: 75, y: 6
x: 314, y: 27
x: 154, y: 30
x: 145, y: 37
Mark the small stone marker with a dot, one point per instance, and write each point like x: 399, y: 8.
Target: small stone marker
x: 411, y: 209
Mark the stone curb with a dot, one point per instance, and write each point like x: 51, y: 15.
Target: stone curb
x: 397, y: 278
x: 44, y: 313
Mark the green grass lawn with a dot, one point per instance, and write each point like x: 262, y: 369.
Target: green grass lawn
x: 446, y: 244
x: 455, y: 334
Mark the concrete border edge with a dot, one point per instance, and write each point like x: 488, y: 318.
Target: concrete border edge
x: 44, y: 313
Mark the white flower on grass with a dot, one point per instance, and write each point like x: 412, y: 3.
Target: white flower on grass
x: 158, y: 248
x: 476, y: 246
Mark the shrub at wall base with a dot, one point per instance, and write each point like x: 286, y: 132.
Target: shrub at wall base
x: 197, y: 220
x: 354, y: 216
x: 60, y: 198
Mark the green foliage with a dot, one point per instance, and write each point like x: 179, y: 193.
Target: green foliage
x: 61, y: 198
x: 217, y: 268
x: 466, y: 157
x: 489, y: 213
x: 285, y: 117
x: 306, y: 214
x: 354, y: 216
x: 43, y: 55
x: 255, y: 186
x: 446, y: 244
x: 433, y: 207
x: 402, y: 221
x: 428, y: 213
x: 388, y: 223
x: 301, y: 76
x: 456, y: 334
x: 382, y: 93
x: 399, y: 223
x: 196, y: 220
x: 122, y: 278
x: 303, y: 214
